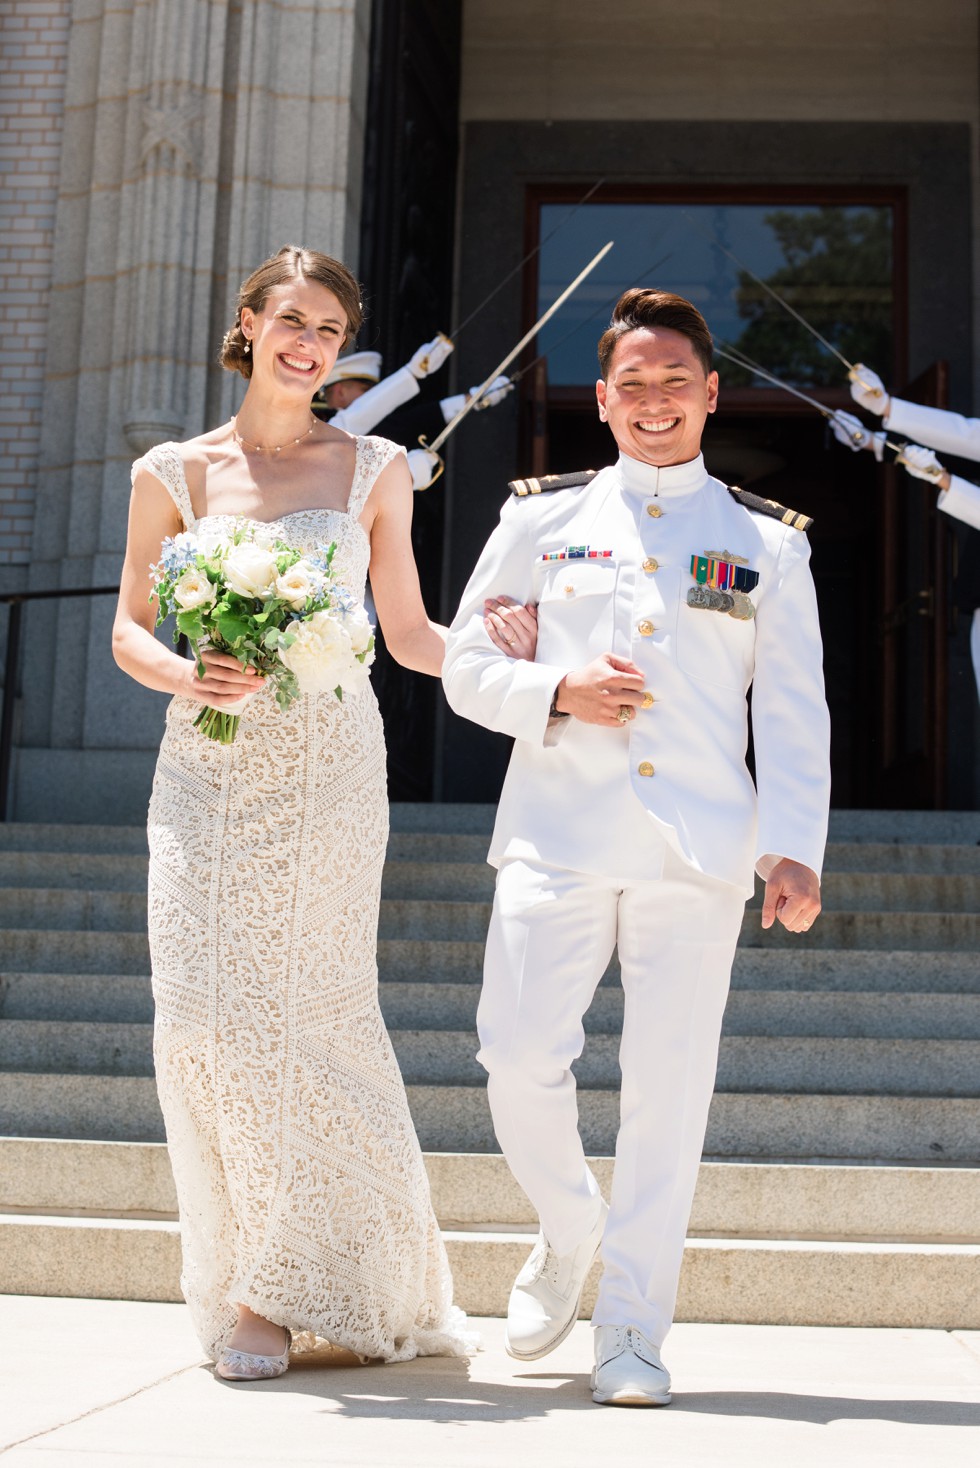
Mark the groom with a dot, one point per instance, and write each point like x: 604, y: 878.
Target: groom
x: 628, y: 818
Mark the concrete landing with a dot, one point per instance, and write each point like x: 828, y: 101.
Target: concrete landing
x: 105, y: 1383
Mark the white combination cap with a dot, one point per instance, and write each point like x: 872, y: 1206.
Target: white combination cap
x: 362, y: 366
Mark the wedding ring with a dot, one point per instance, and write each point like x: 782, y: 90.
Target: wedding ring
x: 625, y: 713
x: 509, y: 640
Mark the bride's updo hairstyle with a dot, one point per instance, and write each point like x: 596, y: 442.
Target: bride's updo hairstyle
x: 292, y: 262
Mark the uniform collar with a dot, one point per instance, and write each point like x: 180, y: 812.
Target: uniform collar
x: 671, y: 482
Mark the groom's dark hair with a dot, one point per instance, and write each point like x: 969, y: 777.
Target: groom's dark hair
x: 643, y: 307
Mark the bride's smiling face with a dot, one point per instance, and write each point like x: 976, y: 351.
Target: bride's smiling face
x: 297, y: 335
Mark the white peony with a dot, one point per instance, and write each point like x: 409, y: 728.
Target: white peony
x: 356, y: 676
x: 320, y: 653
x: 298, y: 584
x: 251, y: 571
x: 194, y: 590
x: 358, y: 628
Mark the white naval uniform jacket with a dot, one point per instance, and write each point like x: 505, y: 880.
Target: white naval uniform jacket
x: 950, y: 434
x: 373, y: 406
x: 583, y: 797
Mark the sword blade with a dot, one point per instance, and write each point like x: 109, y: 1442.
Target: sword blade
x: 740, y: 360
x: 515, y: 377
x: 501, y: 367
x: 766, y: 287
x: 529, y: 256
x: 732, y: 355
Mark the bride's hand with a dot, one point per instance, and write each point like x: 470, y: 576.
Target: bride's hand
x: 512, y: 627
x: 224, y: 682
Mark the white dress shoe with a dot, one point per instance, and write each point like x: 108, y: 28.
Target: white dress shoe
x: 544, y: 1302
x: 628, y: 1370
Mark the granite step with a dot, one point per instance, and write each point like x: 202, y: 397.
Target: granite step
x: 827, y: 1065
x: 847, y: 827
x: 935, y: 1015
x: 50, y: 910
x: 32, y: 880
x: 772, y: 1126
x: 478, y: 1190
x: 915, y: 1285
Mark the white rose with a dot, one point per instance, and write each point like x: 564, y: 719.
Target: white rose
x: 298, y: 584
x: 251, y: 571
x: 211, y: 544
x: 194, y: 590
x: 358, y: 628
x: 320, y: 653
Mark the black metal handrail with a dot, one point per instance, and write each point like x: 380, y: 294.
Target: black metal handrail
x: 15, y: 600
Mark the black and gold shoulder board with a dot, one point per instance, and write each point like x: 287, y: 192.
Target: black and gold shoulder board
x: 548, y: 482
x: 760, y: 506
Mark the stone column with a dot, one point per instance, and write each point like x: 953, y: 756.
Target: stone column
x: 200, y: 136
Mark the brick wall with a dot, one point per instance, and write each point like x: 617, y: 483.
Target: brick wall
x: 33, y: 59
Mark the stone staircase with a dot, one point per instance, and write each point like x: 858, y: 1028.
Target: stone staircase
x: 841, y: 1180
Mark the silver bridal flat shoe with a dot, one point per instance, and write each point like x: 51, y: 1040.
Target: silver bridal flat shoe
x: 246, y: 1366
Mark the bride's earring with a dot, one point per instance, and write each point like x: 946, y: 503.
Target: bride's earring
x: 248, y: 345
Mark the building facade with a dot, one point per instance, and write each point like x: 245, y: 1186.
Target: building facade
x: 462, y: 154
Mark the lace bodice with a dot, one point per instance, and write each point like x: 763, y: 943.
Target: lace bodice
x: 305, y: 529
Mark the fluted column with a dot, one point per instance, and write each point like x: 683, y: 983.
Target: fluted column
x: 200, y: 135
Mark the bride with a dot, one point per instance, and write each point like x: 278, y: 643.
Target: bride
x: 304, y: 1204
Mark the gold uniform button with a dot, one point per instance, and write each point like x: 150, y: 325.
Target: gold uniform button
x: 569, y: 590
x: 650, y: 565
x: 654, y: 511
x: 646, y: 768
x: 645, y: 628
x: 648, y: 701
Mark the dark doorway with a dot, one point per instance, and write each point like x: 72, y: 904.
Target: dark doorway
x: 406, y: 265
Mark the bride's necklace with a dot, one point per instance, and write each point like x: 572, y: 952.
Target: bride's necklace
x: 260, y: 448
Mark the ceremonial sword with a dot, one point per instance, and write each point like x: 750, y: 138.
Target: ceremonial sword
x: 733, y: 354
x: 471, y: 402
x: 852, y: 372
x: 515, y: 377
x: 529, y: 256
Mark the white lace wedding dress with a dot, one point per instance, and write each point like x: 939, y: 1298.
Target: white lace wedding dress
x: 301, y: 1186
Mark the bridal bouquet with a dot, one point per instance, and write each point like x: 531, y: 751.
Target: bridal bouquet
x: 273, y: 608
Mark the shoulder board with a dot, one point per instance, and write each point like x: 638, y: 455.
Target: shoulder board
x: 548, y: 482
x: 759, y: 506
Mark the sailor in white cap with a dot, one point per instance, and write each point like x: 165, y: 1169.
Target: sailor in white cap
x: 363, y: 401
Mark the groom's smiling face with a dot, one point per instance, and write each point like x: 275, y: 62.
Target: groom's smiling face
x: 657, y: 396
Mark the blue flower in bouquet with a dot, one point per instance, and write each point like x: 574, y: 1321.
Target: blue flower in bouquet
x: 176, y: 554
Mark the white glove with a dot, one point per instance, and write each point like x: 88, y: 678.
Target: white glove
x: 868, y: 390
x: 921, y: 463
x: 425, y: 466
x: 851, y: 432
x: 431, y: 356
x: 494, y: 394
x: 451, y: 406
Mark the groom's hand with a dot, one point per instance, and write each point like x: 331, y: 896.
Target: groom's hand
x: 596, y: 693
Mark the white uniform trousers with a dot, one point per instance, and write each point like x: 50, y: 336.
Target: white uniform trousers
x: 551, y: 936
